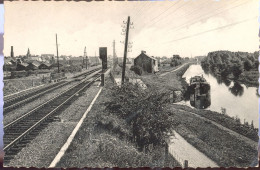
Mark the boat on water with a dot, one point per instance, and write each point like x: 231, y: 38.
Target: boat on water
x: 199, y: 92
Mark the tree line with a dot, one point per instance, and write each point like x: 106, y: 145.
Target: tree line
x: 230, y: 64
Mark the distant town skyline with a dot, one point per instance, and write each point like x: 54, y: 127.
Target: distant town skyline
x: 161, y: 28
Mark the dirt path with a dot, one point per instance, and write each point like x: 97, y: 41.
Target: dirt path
x: 181, y: 150
x: 163, y: 74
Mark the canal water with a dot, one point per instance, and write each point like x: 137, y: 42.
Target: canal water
x: 236, y: 99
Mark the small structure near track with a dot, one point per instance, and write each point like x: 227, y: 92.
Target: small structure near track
x: 147, y: 63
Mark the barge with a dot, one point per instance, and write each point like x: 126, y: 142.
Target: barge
x: 199, y: 92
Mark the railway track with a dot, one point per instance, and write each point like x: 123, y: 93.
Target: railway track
x: 21, y: 131
x: 18, y: 100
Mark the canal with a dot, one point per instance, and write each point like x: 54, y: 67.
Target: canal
x: 236, y: 99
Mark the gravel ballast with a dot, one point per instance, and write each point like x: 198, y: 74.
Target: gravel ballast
x: 19, y: 111
x: 42, y: 150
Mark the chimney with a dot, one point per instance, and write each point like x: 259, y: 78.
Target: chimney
x: 143, y: 51
x: 12, y: 51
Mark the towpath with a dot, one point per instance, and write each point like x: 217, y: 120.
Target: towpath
x: 163, y: 74
x: 181, y: 150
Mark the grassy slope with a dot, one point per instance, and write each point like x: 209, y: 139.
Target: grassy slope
x: 224, y: 148
x: 171, y: 81
x: 103, y: 141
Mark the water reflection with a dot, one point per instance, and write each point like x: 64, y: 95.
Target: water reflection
x: 236, y: 89
x: 220, y: 80
x: 199, y: 93
x: 200, y: 102
x: 237, y: 99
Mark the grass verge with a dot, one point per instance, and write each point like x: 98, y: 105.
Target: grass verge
x: 105, y: 141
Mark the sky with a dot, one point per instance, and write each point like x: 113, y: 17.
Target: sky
x: 161, y: 28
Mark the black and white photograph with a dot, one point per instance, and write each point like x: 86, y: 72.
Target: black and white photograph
x: 131, y: 84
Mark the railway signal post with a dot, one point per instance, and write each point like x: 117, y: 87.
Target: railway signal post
x: 103, y: 57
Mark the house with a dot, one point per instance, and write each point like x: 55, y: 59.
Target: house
x: 22, y: 66
x: 147, y: 63
x: 9, y: 64
x: 44, y: 66
x: 34, y: 65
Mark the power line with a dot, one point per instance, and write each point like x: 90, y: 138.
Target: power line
x: 164, y: 11
x: 168, y: 15
x: 189, y: 22
x: 214, y: 29
x: 146, y: 4
x: 195, y: 21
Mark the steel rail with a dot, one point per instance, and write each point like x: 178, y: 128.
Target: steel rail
x: 7, y: 147
x: 42, y: 90
x: 7, y: 108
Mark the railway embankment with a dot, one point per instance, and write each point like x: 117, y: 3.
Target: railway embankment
x: 106, y: 140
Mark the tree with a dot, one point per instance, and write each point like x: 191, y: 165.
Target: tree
x: 237, y: 69
x: 248, y: 65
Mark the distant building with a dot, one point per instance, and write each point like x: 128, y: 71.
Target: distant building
x: 33, y: 65
x: 9, y: 64
x: 147, y: 63
x: 28, y: 55
x: 22, y: 66
x: 45, y: 66
x: 47, y: 57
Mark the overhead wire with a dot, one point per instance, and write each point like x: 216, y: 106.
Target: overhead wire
x: 209, y: 16
x: 210, y: 30
x: 192, y: 21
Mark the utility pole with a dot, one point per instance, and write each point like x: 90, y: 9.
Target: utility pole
x: 114, y: 54
x: 85, y: 55
x: 125, y: 51
x: 57, y: 54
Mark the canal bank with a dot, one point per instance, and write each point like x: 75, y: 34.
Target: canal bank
x: 220, y: 137
x: 228, y: 97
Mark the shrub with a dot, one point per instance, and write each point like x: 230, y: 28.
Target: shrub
x: 143, y: 110
x: 137, y: 69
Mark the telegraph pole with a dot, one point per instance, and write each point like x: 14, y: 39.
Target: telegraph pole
x: 57, y: 54
x: 114, y: 54
x: 85, y: 55
x: 125, y: 51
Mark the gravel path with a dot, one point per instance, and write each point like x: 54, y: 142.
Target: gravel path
x: 42, y: 150
x: 14, y: 114
x: 180, y: 148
